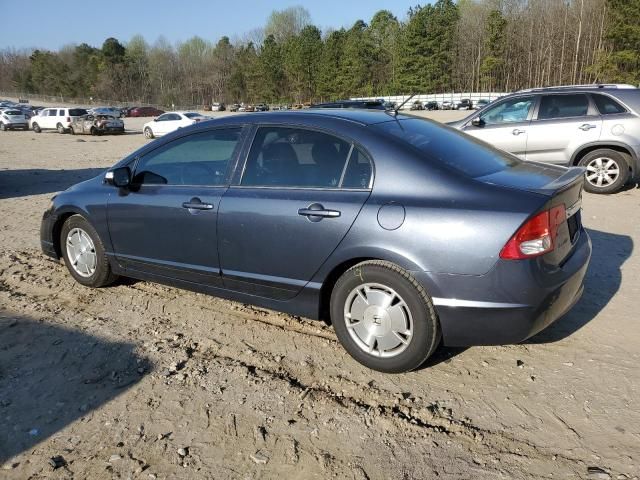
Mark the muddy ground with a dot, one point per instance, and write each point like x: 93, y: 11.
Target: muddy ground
x: 143, y: 381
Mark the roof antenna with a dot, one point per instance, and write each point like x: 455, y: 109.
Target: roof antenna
x: 394, y: 111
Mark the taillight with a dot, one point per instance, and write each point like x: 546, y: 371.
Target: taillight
x: 536, y: 237
x: 68, y: 119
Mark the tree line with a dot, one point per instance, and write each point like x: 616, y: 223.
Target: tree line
x: 468, y: 45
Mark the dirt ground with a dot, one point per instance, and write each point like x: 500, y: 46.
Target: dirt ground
x: 142, y: 381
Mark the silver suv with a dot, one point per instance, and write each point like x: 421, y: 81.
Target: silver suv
x: 594, y: 126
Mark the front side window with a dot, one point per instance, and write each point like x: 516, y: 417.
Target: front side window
x: 163, y: 118
x: 293, y: 157
x: 607, y: 105
x: 563, y: 106
x: 198, y: 159
x: 510, y: 111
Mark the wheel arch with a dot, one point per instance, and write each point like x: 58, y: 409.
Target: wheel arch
x: 56, y: 230
x: 616, y: 146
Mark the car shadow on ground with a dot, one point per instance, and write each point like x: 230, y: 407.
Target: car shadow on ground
x: 603, y: 280
x: 36, y: 181
x: 50, y: 376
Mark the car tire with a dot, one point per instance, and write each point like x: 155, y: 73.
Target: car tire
x: 60, y: 128
x: 3, y: 127
x: 72, y: 130
x: 148, y: 133
x: 93, y: 131
x: 607, y: 170
x: 36, y: 128
x: 395, y: 338
x: 91, y: 266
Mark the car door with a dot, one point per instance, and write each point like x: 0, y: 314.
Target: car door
x: 505, y: 125
x: 299, y: 194
x: 160, y: 124
x: 48, y: 118
x: 165, y: 224
x: 563, y: 123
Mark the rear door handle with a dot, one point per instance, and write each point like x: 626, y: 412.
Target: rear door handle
x: 517, y: 131
x: 316, y: 212
x: 196, y: 204
x: 586, y: 126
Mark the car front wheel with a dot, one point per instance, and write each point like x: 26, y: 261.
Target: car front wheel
x: 36, y: 127
x: 84, y: 253
x: 607, y: 171
x: 148, y: 133
x: 383, y: 317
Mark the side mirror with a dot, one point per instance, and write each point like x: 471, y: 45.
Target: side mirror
x: 155, y: 119
x: 477, y: 122
x: 118, y: 177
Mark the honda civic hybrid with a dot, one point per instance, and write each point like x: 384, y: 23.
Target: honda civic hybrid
x: 403, y: 233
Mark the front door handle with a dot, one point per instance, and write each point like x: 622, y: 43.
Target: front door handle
x: 316, y: 212
x: 196, y: 204
x: 517, y: 131
x: 586, y: 126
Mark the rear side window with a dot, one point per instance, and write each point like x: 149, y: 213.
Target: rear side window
x: 563, y: 106
x: 77, y: 112
x: 359, y: 171
x: 449, y: 147
x: 198, y: 159
x: 607, y: 105
x: 293, y: 157
x: 61, y: 113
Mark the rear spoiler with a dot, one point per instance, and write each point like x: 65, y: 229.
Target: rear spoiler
x: 563, y: 182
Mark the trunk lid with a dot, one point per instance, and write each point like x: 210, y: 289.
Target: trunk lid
x: 562, y: 186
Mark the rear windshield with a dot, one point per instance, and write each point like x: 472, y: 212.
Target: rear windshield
x: 192, y: 115
x: 449, y: 147
x: 77, y: 112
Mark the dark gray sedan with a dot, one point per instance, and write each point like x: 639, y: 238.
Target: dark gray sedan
x: 402, y: 232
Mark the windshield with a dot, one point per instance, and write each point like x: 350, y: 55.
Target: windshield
x: 450, y: 147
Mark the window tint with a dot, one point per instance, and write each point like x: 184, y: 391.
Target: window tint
x: 192, y: 115
x: 174, y: 116
x: 199, y: 159
x: 61, y: 113
x: 52, y: 113
x: 77, y: 112
x: 359, y: 171
x: 450, y: 147
x: 509, y: 111
x: 563, y: 106
x: 291, y: 157
x: 607, y: 105
x: 162, y: 118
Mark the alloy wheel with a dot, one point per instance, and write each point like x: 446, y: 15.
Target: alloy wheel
x: 602, y: 172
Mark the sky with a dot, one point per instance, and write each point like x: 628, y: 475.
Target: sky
x: 49, y: 24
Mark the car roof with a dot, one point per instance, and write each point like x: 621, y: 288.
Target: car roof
x: 361, y: 116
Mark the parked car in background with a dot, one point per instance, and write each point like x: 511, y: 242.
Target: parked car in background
x: 12, y: 119
x: 447, y: 105
x: 91, y: 124
x: 481, y: 103
x: 366, y: 104
x: 234, y: 107
x: 596, y: 127
x: 417, y: 105
x: 55, y: 118
x: 464, y: 104
x: 432, y: 105
x: 145, y: 112
x: 170, y: 121
x: 111, y: 111
x: 287, y: 214
x: 390, y: 105
x: 218, y: 107
x: 262, y: 107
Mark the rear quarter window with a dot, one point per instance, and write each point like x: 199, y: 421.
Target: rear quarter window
x: 607, y: 105
x: 448, y: 147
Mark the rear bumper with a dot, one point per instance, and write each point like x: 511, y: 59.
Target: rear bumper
x: 511, y: 303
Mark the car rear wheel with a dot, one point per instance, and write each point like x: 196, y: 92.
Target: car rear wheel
x: 72, y: 130
x: 607, y: 171
x: 60, y: 128
x: 148, y: 133
x: 383, y: 317
x: 84, y: 253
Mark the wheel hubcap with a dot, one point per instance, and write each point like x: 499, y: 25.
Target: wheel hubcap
x: 81, y: 252
x: 602, y: 172
x: 378, y: 320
